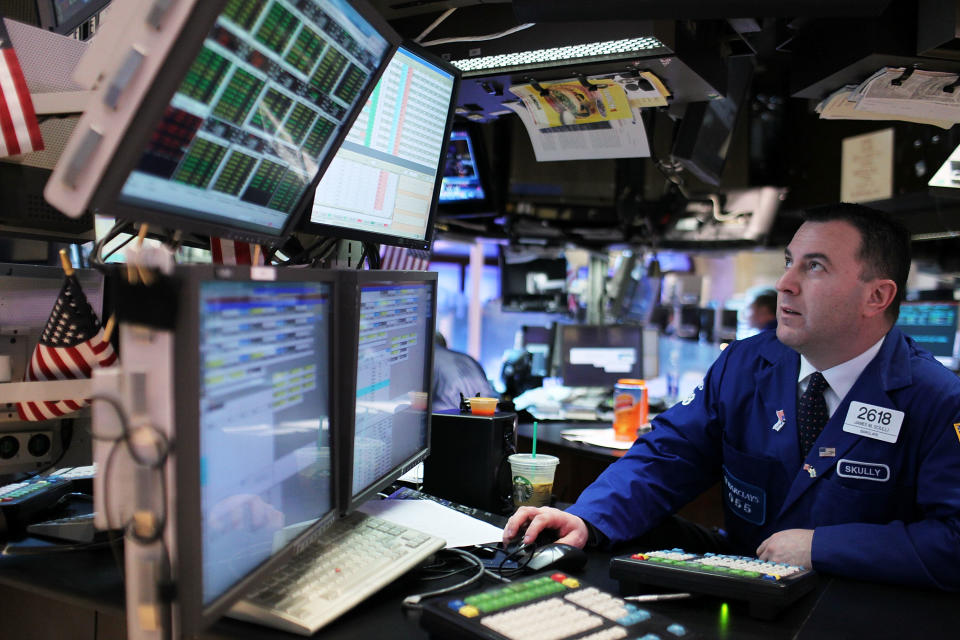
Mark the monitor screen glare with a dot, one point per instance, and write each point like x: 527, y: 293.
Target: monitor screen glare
x: 461, y: 180
x: 264, y: 422
x: 598, y: 356
x: 384, y: 176
x: 392, y: 379
x: 933, y: 325
x: 256, y: 114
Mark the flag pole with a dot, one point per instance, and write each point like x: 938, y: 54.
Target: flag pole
x: 256, y: 255
x: 65, y: 263
x: 108, y: 328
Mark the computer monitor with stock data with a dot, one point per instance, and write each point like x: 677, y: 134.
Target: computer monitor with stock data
x: 934, y: 326
x: 386, y: 388
x: 225, y: 126
x: 255, y: 461
x: 599, y: 355
x: 382, y: 183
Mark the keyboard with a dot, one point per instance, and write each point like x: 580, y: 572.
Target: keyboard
x: 767, y: 586
x: 549, y: 606
x: 355, y: 558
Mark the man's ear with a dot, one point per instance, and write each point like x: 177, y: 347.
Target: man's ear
x: 881, y: 295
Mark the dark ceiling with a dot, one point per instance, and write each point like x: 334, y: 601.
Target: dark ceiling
x: 800, y: 50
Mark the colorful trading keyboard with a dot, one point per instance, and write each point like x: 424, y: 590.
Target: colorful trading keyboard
x: 768, y: 586
x: 546, y: 607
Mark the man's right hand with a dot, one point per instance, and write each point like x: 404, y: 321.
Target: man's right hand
x: 570, y: 529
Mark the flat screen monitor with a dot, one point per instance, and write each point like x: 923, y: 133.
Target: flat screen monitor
x: 254, y: 410
x: 222, y: 121
x: 465, y: 187
x: 387, y: 387
x: 599, y: 355
x: 539, y: 342
x: 532, y: 280
x: 934, y: 326
x: 382, y: 183
x: 64, y: 16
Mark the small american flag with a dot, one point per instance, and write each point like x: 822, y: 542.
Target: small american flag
x: 232, y: 252
x: 70, y: 347
x: 399, y: 258
x: 19, y: 130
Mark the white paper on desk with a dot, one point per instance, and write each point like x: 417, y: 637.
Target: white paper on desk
x: 596, y: 437
x: 624, y: 138
x: 458, y: 529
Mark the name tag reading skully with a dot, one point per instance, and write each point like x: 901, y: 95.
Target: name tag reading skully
x: 872, y: 421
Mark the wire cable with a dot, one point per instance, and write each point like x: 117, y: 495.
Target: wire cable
x: 413, y: 601
x: 434, y: 24
x: 489, y: 36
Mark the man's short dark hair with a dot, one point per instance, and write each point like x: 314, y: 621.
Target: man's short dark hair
x: 884, y: 244
x: 766, y: 299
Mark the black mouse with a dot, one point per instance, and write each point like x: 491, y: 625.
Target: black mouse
x: 563, y: 557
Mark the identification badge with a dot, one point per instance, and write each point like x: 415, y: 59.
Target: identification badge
x: 744, y: 499
x: 872, y: 421
x: 875, y: 471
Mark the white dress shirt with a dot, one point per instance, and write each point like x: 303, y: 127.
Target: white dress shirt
x: 841, y: 378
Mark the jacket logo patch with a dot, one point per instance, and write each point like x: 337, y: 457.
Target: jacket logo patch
x: 744, y: 499
x: 863, y: 470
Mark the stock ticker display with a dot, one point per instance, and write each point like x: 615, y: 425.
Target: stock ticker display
x: 258, y: 109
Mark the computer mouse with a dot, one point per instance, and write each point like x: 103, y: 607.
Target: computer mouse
x: 559, y: 556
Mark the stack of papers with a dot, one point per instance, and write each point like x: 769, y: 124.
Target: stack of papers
x: 898, y: 93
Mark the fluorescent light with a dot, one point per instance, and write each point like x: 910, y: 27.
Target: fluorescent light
x: 539, y: 57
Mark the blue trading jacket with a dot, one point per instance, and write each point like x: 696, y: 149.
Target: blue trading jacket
x: 881, y: 511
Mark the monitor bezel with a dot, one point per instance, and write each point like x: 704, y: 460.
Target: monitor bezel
x: 126, y: 155
x: 564, y: 360
x: 478, y: 206
x: 47, y: 13
x: 350, y: 338
x: 194, y: 615
x: 307, y: 225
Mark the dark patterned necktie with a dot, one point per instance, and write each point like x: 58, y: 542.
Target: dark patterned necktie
x: 812, y: 412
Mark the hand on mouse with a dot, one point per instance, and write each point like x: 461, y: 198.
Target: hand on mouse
x: 570, y: 529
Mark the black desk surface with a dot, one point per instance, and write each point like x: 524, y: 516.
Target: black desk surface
x: 837, y: 608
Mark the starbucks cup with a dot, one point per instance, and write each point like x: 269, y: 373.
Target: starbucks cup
x: 532, y: 478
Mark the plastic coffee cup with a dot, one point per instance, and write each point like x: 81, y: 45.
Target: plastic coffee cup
x: 532, y: 478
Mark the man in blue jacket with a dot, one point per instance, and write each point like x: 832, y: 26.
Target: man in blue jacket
x: 874, y: 495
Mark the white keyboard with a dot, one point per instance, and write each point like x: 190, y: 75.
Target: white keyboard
x: 353, y: 559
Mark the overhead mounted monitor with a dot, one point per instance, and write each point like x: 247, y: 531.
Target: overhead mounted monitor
x: 465, y: 188
x: 221, y: 116
x: 64, y: 16
x: 382, y: 183
x: 255, y: 461
x: 386, y: 385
